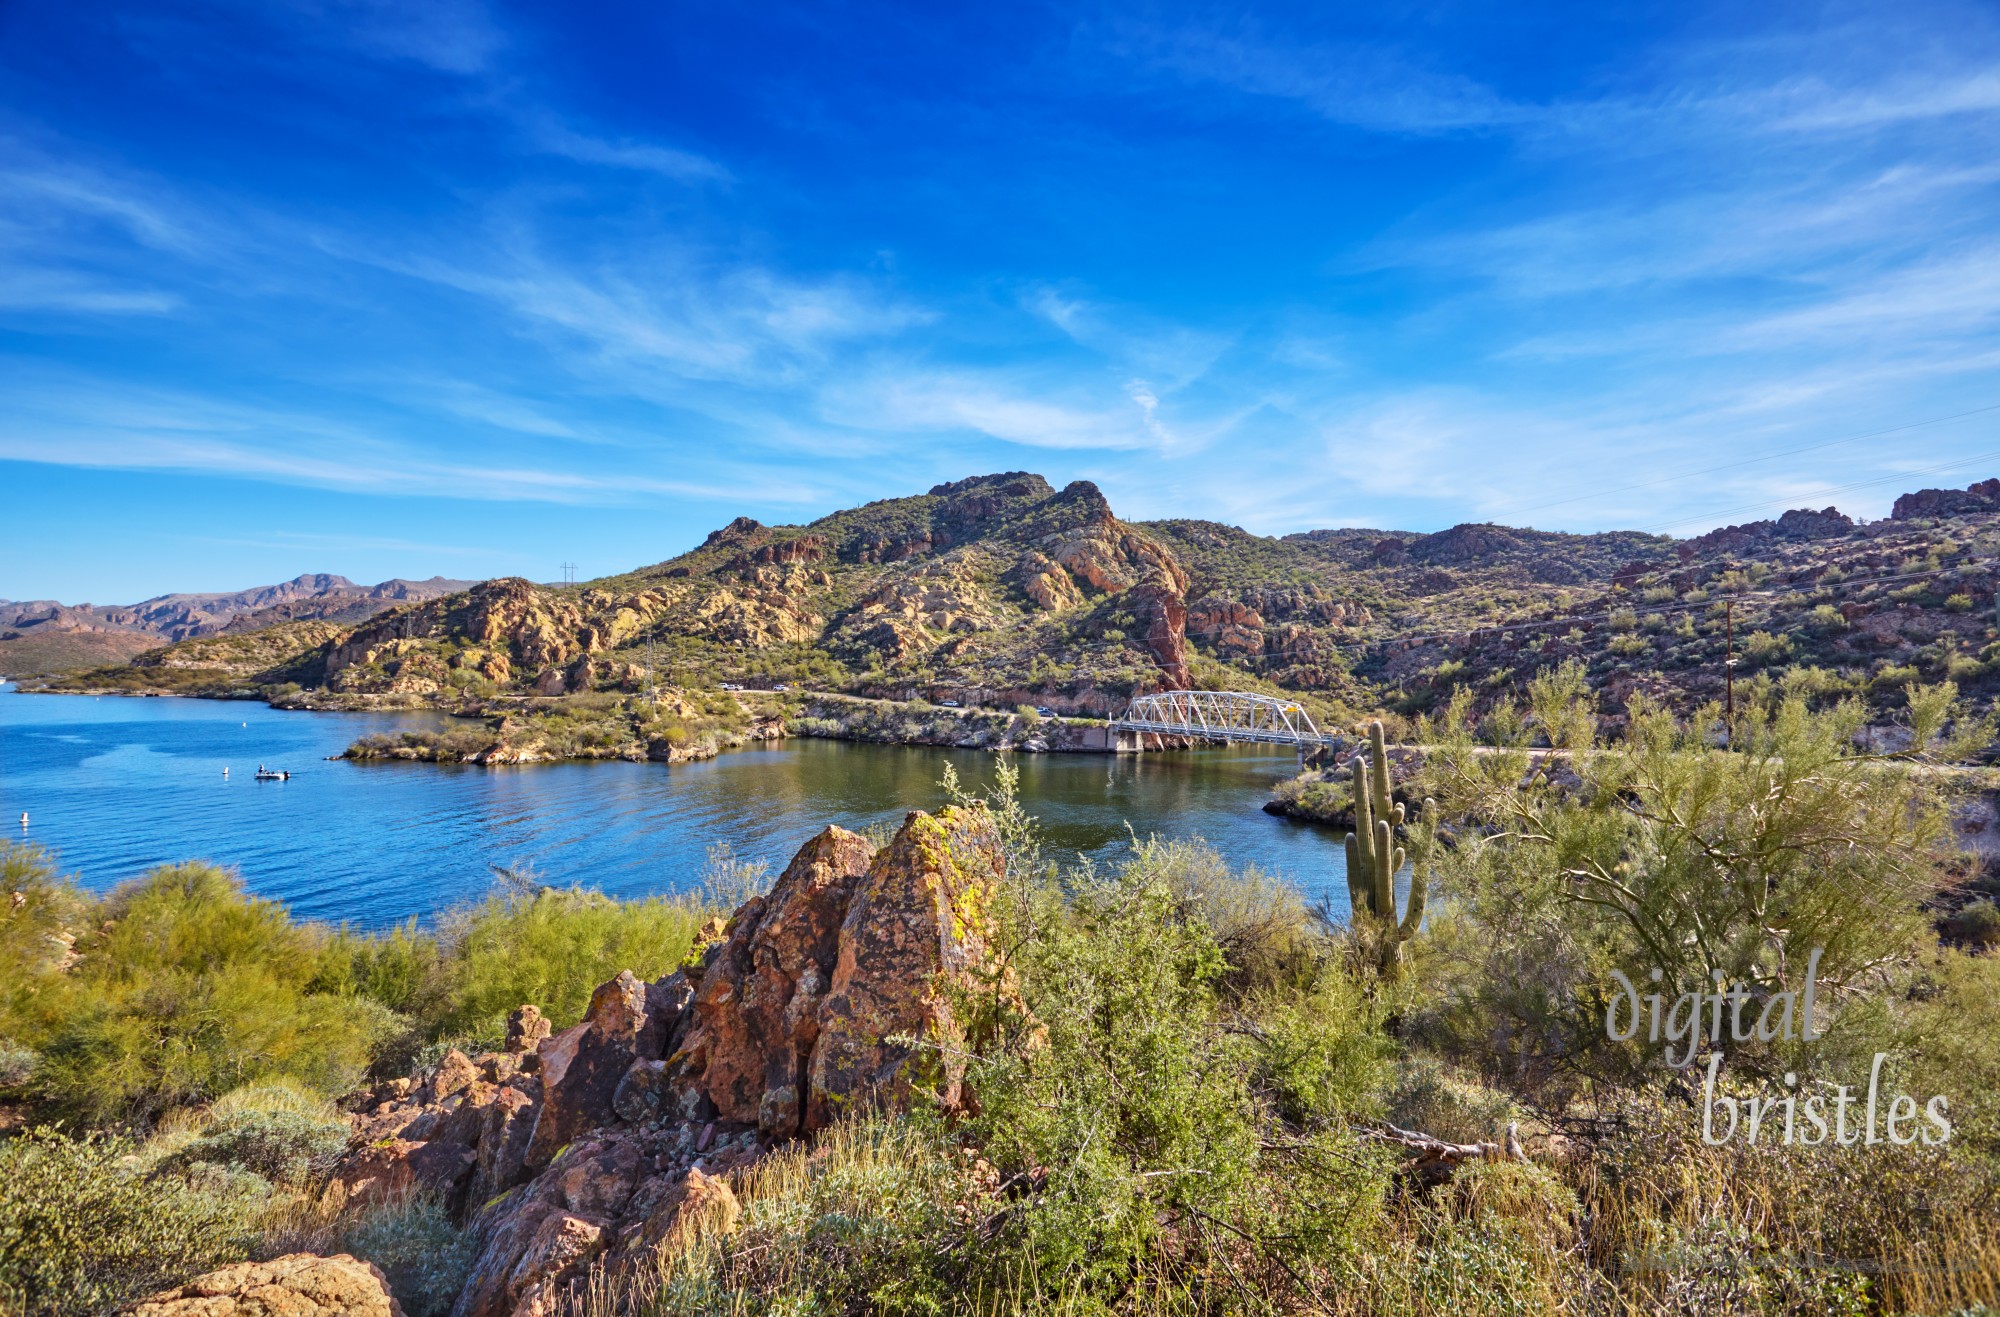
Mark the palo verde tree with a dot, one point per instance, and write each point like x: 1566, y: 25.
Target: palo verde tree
x: 1662, y: 850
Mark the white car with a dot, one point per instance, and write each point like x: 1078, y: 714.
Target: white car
x: 948, y: 704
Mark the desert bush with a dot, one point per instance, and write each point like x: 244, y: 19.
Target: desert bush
x: 280, y: 1143
x: 1763, y: 648
x: 1147, y: 1108
x: 1260, y: 923
x: 83, y: 1227
x: 183, y: 988
x: 424, y: 1256
x: 1976, y: 923
x: 552, y: 948
x: 876, y: 1216
x: 1645, y: 860
x: 1319, y: 1054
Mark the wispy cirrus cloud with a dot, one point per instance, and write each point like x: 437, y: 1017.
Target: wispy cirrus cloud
x: 558, y: 138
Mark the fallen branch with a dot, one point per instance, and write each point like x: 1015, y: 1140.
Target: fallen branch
x: 1437, y: 1158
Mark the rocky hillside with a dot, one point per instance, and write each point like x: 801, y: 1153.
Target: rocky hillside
x: 46, y: 636
x: 1003, y: 591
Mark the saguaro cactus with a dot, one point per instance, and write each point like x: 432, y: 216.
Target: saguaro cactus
x: 1373, y: 857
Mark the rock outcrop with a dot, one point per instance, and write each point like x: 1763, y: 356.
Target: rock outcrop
x: 1981, y: 496
x: 595, y: 1145
x: 851, y: 949
x: 296, y: 1285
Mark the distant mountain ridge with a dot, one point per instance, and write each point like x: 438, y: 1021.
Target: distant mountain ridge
x: 43, y: 634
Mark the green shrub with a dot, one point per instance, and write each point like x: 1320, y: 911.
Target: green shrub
x: 551, y: 948
x: 1320, y: 1053
x: 1762, y: 648
x: 1261, y: 926
x: 82, y: 1228
x: 1975, y: 924
x: 424, y: 1257
x: 283, y: 1147
x: 184, y: 987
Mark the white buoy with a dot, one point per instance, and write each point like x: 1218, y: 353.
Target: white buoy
x: 225, y: 770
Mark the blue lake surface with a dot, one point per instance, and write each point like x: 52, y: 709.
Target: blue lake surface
x: 115, y: 785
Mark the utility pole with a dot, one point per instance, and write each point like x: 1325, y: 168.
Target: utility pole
x: 1729, y: 671
x: 652, y: 695
x: 569, y: 573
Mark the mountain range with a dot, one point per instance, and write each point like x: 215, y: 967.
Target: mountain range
x: 1002, y: 589
x: 42, y: 634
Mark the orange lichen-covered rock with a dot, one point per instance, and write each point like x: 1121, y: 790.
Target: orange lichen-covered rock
x: 918, y: 926
x: 757, y: 1016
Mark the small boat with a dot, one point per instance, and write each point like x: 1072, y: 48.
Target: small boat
x: 273, y: 774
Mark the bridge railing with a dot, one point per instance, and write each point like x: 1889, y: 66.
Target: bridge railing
x: 1226, y: 716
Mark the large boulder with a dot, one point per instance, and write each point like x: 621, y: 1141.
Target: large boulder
x: 581, y: 1066
x: 296, y: 1285
x: 757, y: 1015
x: 916, y: 935
x: 851, y: 948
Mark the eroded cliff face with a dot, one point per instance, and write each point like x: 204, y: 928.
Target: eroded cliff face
x: 590, y: 1147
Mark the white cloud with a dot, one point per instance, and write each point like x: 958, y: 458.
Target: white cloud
x: 646, y: 157
x: 1016, y: 410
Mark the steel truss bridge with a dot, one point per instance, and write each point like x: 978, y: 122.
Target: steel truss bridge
x: 1227, y: 716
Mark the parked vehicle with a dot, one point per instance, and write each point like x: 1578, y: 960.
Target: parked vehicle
x: 948, y: 704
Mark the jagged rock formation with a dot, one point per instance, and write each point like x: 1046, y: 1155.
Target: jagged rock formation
x: 1797, y: 524
x: 296, y: 1285
x: 591, y: 1146
x: 1983, y: 496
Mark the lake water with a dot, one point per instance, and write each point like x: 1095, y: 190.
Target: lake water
x: 116, y: 785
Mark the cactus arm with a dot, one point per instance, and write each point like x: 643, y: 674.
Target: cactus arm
x: 1357, y: 877
x: 1414, y: 919
x: 1364, y: 812
x: 1386, y: 855
x: 1378, y: 753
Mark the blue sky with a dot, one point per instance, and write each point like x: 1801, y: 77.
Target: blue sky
x: 455, y: 287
